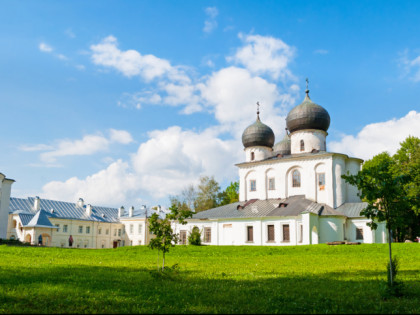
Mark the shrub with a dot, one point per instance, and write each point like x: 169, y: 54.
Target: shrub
x: 195, y: 237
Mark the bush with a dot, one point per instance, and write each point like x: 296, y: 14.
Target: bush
x: 394, y: 289
x: 195, y: 237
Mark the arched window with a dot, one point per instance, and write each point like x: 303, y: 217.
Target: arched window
x: 252, y: 156
x: 296, y: 178
x: 302, y: 145
x: 14, y: 224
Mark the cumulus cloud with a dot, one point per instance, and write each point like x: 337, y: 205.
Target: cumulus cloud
x: 88, y: 145
x: 264, y: 55
x: 45, y: 48
x: 379, y: 137
x: 210, y: 23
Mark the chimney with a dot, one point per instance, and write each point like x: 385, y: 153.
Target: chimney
x: 121, y: 211
x: 88, y: 209
x: 131, y: 211
x: 80, y: 203
x: 37, y: 203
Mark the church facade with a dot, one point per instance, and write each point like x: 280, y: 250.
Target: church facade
x: 291, y: 192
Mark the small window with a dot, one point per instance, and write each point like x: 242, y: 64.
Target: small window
x: 359, y: 233
x: 123, y: 230
x: 107, y: 231
x: 80, y: 229
x: 271, y: 184
x: 131, y: 229
x: 99, y: 231
x: 88, y: 230
x: 183, y: 237
x: 300, y: 233
x: 252, y: 156
x: 140, y: 228
x: 65, y: 228
x: 253, y: 185
x: 270, y: 233
x: 296, y: 178
x: 207, y: 235
x: 286, y: 233
x: 119, y: 232
x: 58, y: 227
x: 344, y: 231
x: 321, y: 181
x: 123, y: 243
x: 302, y: 145
x: 115, y: 232
x: 250, y: 233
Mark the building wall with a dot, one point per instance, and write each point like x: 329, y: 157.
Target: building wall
x: 5, y: 188
x: 313, y: 140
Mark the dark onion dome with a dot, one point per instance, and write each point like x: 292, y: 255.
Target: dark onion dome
x: 258, y: 134
x: 284, y: 147
x: 308, y: 115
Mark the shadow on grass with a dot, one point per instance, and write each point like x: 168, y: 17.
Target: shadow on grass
x: 84, y: 289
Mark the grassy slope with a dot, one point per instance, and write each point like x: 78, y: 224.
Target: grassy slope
x: 303, y: 279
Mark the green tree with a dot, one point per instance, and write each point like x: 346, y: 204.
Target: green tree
x: 384, y: 193
x: 207, y: 195
x: 165, y: 238
x: 230, y: 194
x: 195, y: 236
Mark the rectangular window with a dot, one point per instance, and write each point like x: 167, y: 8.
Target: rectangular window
x: 271, y: 184
x: 183, y: 237
x: 80, y: 229
x: 270, y: 233
x: 99, y: 231
x: 250, y: 233
x: 286, y: 233
x: 64, y: 228
x: 300, y: 233
x: 58, y: 227
x: 253, y: 184
x: 321, y: 181
x: 119, y: 232
x: 207, y: 235
x: 87, y: 229
x: 344, y: 231
x: 107, y: 231
x: 359, y: 233
x: 115, y: 232
x: 131, y: 229
x: 140, y: 228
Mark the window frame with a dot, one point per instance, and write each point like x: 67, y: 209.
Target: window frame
x: 271, y: 180
x: 359, y: 232
x: 302, y: 145
x: 80, y: 229
x: 284, y: 240
x: 88, y: 230
x: 268, y: 233
x: 65, y: 227
x: 296, y: 181
x: 252, y: 184
x: 318, y: 179
x: 248, y: 238
x: 207, y: 235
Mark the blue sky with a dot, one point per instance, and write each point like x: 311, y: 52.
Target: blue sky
x: 127, y: 102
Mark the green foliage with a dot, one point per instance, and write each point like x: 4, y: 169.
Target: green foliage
x: 229, y: 195
x: 392, y: 267
x: 164, y: 236
x: 317, y: 279
x: 208, y: 190
x: 195, y: 237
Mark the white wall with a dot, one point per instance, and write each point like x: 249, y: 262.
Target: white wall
x: 5, y: 189
x: 313, y: 139
x: 260, y: 153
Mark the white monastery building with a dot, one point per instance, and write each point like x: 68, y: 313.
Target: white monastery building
x: 290, y: 193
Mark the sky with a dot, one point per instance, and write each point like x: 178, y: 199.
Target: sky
x: 129, y: 102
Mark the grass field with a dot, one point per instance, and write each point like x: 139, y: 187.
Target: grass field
x: 302, y: 279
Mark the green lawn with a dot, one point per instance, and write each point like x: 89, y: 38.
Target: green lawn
x: 228, y: 279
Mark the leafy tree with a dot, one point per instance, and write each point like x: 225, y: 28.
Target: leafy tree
x: 208, y: 190
x: 384, y: 193
x: 165, y: 238
x: 230, y: 194
x: 195, y: 236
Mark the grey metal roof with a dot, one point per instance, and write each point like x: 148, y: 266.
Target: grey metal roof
x: 352, y: 209
x: 141, y: 213
x: 283, y: 147
x: 308, y: 115
x: 292, y: 206
x: 25, y: 218
x: 258, y: 134
x: 64, y: 210
x: 40, y: 219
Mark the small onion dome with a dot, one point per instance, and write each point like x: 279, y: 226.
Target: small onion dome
x: 308, y: 115
x: 258, y: 134
x: 283, y: 147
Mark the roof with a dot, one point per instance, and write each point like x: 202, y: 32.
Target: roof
x: 40, y: 219
x: 141, y: 213
x: 63, y: 210
x: 292, y: 206
x: 258, y: 134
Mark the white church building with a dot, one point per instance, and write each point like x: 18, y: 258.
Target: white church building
x: 290, y: 193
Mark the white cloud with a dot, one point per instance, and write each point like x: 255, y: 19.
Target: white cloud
x: 379, y: 137
x: 80, y: 67
x: 210, y: 23
x: 410, y: 65
x: 45, y: 47
x: 35, y: 147
x: 131, y: 63
x: 264, y: 55
x: 321, y: 51
x: 120, y: 136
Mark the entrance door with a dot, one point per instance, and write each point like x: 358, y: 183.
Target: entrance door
x: 115, y: 244
x: 183, y: 237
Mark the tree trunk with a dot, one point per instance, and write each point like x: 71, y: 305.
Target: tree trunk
x: 163, y: 265
x: 390, y: 256
x: 157, y: 262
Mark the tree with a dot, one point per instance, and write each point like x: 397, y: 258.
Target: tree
x: 208, y: 190
x: 229, y: 195
x: 384, y: 193
x: 165, y: 238
x: 195, y: 236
